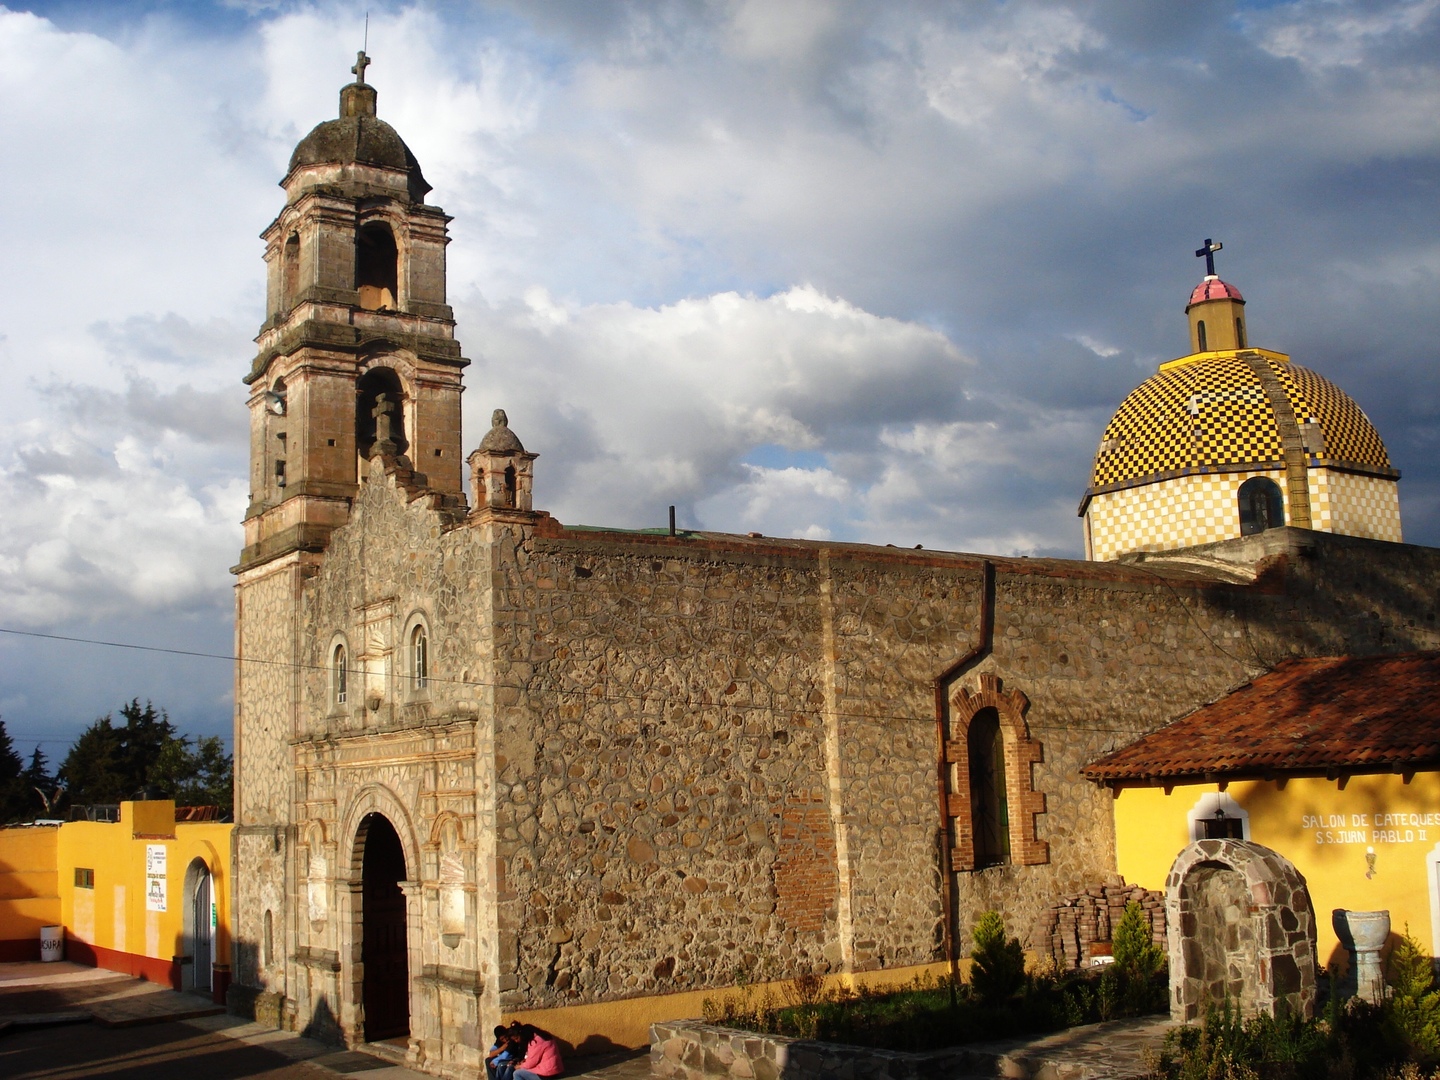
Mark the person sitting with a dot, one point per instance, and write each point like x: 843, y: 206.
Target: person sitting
x: 542, y: 1055
x: 501, y: 1060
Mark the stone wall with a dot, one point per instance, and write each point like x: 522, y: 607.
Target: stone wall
x: 645, y: 764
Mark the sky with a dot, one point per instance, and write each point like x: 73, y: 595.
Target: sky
x: 857, y: 271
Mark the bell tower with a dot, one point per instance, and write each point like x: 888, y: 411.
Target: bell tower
x: 355, y: 316
x: 356, y: 361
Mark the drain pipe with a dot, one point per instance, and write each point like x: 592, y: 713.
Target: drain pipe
x: 984, y: 636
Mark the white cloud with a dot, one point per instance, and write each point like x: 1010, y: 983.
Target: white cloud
x: 832, y: 269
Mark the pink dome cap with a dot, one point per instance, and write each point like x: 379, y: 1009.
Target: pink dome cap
x: 1212, y: 288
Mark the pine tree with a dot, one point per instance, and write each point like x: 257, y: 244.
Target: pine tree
x: 12, y: 792
x: 40, y: 785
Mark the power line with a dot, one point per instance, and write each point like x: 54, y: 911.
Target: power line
x: 588, y: 695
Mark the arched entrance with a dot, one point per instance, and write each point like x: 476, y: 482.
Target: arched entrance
x: 199, y: 929
x: 384, y: 947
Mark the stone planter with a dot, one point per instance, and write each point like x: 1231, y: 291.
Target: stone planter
x: 1363, y: 933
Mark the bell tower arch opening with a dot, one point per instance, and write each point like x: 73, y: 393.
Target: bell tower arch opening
x: 377, y: 267
x: 375, y: 383
x: 384, y: 930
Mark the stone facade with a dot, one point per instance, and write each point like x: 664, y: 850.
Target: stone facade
x: 622, y: 766
x: 645, y: 764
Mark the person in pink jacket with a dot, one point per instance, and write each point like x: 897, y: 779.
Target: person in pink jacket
x: 542, y: 1056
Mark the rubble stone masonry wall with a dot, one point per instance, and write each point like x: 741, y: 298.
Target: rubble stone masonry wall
x: 649, y: 764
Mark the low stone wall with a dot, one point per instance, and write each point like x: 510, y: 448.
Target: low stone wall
x: 691, y: 1050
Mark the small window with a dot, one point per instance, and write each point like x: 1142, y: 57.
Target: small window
x: 420, y: 657
x: 989, y: 806
x: 1200, y: 336
x: 1240, y: 333
x: 84, y: 879
x: 1261, y: 506
x: 340, y: 675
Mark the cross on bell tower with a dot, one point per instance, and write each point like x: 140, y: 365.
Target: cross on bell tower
x: 362, y: 62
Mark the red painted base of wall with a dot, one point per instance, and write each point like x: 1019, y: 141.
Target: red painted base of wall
x: 165, y: 972
x: 15, y: 952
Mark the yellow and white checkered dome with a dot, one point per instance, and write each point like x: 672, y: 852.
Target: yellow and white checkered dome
x: 1213, y: 414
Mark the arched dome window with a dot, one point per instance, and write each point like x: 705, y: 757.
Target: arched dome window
x: 1240, y: 333
x: 989, y: 806
x: 1261, y: 505
x: 1200, y: 336
x: 377, y: 264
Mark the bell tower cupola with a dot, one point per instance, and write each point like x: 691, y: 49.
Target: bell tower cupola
x: 356, y: 318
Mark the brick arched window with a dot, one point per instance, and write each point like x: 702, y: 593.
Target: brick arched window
x: 991, y: 801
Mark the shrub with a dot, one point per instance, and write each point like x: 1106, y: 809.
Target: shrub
x: 999, y: 962
x: 1412, y: 1015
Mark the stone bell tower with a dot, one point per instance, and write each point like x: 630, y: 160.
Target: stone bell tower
x: 356, y: 359
x: 355, y: 310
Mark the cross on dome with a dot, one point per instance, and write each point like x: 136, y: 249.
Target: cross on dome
x: 362, y: 62
x: 1207, y: 252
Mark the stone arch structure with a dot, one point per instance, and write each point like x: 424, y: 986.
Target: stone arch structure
x: 1022, y: 753
x: 1240, y: 927
x: 374, y: 800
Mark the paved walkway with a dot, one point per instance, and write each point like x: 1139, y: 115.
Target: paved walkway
x: 65, y: 1022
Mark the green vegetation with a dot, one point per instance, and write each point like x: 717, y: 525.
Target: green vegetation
x: 1001, y: 1000
x: 1397, y: 1039
x: 143, y: 756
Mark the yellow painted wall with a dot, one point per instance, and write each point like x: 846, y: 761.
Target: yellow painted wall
x: 1325, y: 830
x: 114, y: 915
x: 28, y: 895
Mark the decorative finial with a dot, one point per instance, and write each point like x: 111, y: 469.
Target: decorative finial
x: 362, y: 62
x: 1208, y: 254
x: 498, y: 419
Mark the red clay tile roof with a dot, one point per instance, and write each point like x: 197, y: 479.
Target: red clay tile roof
x: 1328, y: 715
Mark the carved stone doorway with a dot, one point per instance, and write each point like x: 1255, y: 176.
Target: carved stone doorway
x: 384, y: 950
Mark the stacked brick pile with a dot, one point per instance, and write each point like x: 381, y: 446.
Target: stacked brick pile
x: 1069, y: 927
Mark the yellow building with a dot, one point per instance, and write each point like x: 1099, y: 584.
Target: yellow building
x: 1230, y: 440
x: 29, y: 896
x: 147, y: 895
x: 1334, y: 763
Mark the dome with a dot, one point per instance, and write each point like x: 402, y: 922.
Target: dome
x: 359, y: 137
x: 1212, y: 288
x: 500, y: 439
x: 1216, y: 415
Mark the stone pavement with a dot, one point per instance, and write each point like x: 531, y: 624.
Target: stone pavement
x: 147, y: 1032
x: 1117, y: 1050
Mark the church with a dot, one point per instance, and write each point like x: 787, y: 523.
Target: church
x: 491, y: 766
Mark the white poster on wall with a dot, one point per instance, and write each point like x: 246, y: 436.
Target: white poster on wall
x: 154, y: 860
x: 155, y: 894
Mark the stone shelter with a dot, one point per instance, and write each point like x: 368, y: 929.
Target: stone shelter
x: 492, y: 766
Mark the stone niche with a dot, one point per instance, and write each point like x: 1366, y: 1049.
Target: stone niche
x: 1240, y: 927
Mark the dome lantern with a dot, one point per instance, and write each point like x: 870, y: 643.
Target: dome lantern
x: 1216, y: 309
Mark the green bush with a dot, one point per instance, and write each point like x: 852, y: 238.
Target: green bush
x: 1412, y: 1015
x: 998, y: 970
